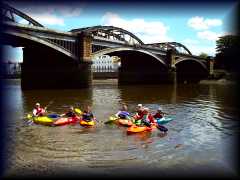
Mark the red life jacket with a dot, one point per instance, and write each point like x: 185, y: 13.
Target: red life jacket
x: 40, y: 111
x: 158, y: 115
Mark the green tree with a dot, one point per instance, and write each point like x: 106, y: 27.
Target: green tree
x: 203, y: 55
x: 228, y: 52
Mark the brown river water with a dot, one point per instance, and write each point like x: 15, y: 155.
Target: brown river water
x: 201, y: 140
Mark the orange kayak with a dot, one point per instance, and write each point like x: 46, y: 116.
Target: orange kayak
x: 65, y: 120
x: 125, y: 122
x: 137, y: 129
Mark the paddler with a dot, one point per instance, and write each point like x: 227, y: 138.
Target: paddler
x: 123, y: 113
x: 87, y: 114
x: 139, y: 112
x: 38, y: 110
x: 70, y: 112
x: 147, y: 117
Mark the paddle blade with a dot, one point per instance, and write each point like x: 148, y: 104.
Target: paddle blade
x: 113, y: 118
x: 162, y: 128
x: 29, y: 116
x: 77, y: 110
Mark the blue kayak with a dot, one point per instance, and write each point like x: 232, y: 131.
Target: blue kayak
x: 164, y: 120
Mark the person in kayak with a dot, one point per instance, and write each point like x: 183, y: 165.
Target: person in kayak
x: 70, y: 112
x: 87, y: 114
x: 139, y: 112
x: 159, y: 114
x: 38, y: 111
x: 147, y: 117
x: 123, y: 113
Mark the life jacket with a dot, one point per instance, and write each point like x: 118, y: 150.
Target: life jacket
x: 139, y: 115
x: 148, y: 118
x: 87, y: 116
x: 39, y: 112
x: 158, y: 115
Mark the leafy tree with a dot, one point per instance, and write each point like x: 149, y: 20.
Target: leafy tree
x: 203, y: 55
x: 228, y: 52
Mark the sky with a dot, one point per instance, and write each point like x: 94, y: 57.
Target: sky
x: 195, y: 25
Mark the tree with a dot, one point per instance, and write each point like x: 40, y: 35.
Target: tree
x: 228, y: 52
x: 203, y: 55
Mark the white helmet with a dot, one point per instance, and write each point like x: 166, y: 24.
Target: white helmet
x: 160, y: 109
x: 139, y: 105
x: 37, y: 104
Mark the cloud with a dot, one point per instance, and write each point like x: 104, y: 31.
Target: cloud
x: 199, y: 23
x: 209, y: 35
x: 52, y: 14
x: 148, y: 32
x: 196, y: 47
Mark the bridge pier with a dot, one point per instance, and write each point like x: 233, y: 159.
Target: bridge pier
x: 44, y: 68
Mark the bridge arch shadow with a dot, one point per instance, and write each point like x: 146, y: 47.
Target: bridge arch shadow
x: 190, y: 70
x: 139, y: 66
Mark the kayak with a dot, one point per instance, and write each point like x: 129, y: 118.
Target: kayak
x: 43, y: 120
x: 125, y: 122
x: 65, y: 120
x: 163, y: 120
x: 137, y: 129
x: 86, y: 123
x: 111, y: 119
x: 40, y: 119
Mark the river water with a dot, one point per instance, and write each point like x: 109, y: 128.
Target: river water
x: 201, y: 139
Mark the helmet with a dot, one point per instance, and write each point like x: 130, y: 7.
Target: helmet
x: 139, y: 105
x: 37, y: 104
x: 160, y: 109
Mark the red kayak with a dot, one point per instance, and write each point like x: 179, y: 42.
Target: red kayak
x: 125, y: 122
x: 137, y: 129
x: 66, y: 120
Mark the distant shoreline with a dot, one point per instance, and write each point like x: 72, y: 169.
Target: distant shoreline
x: 219, y: 81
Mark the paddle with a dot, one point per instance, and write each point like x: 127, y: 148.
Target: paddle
x: 162, y: 128
x: 48, y: 104
x: 77, y: 110
x: 111, y: 119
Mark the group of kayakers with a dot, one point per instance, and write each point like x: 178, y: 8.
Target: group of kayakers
x: 141, y: 117
x: 86, y: 115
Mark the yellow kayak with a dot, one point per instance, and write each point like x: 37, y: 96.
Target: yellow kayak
x: 86, y: 123
x: 41, y: 120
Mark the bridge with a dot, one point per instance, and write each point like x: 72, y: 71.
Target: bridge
x: 57, y: 59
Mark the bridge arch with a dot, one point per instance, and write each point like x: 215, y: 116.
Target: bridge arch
x: 186, y: 60
x: 190, y: 70
x: 107, y: 31
x: 172, y: 45
x: 124, y: 49
x: 38, y: 40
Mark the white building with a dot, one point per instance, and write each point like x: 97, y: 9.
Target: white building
x: 105, y: 63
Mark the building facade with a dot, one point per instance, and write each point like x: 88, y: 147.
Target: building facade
x: 105, y: 63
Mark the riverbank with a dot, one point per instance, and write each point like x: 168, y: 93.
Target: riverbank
x: 219, y: 81
x: 104, y: 81
x: 221, y: 77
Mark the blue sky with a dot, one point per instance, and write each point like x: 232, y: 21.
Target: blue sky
x: 196, y: 25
